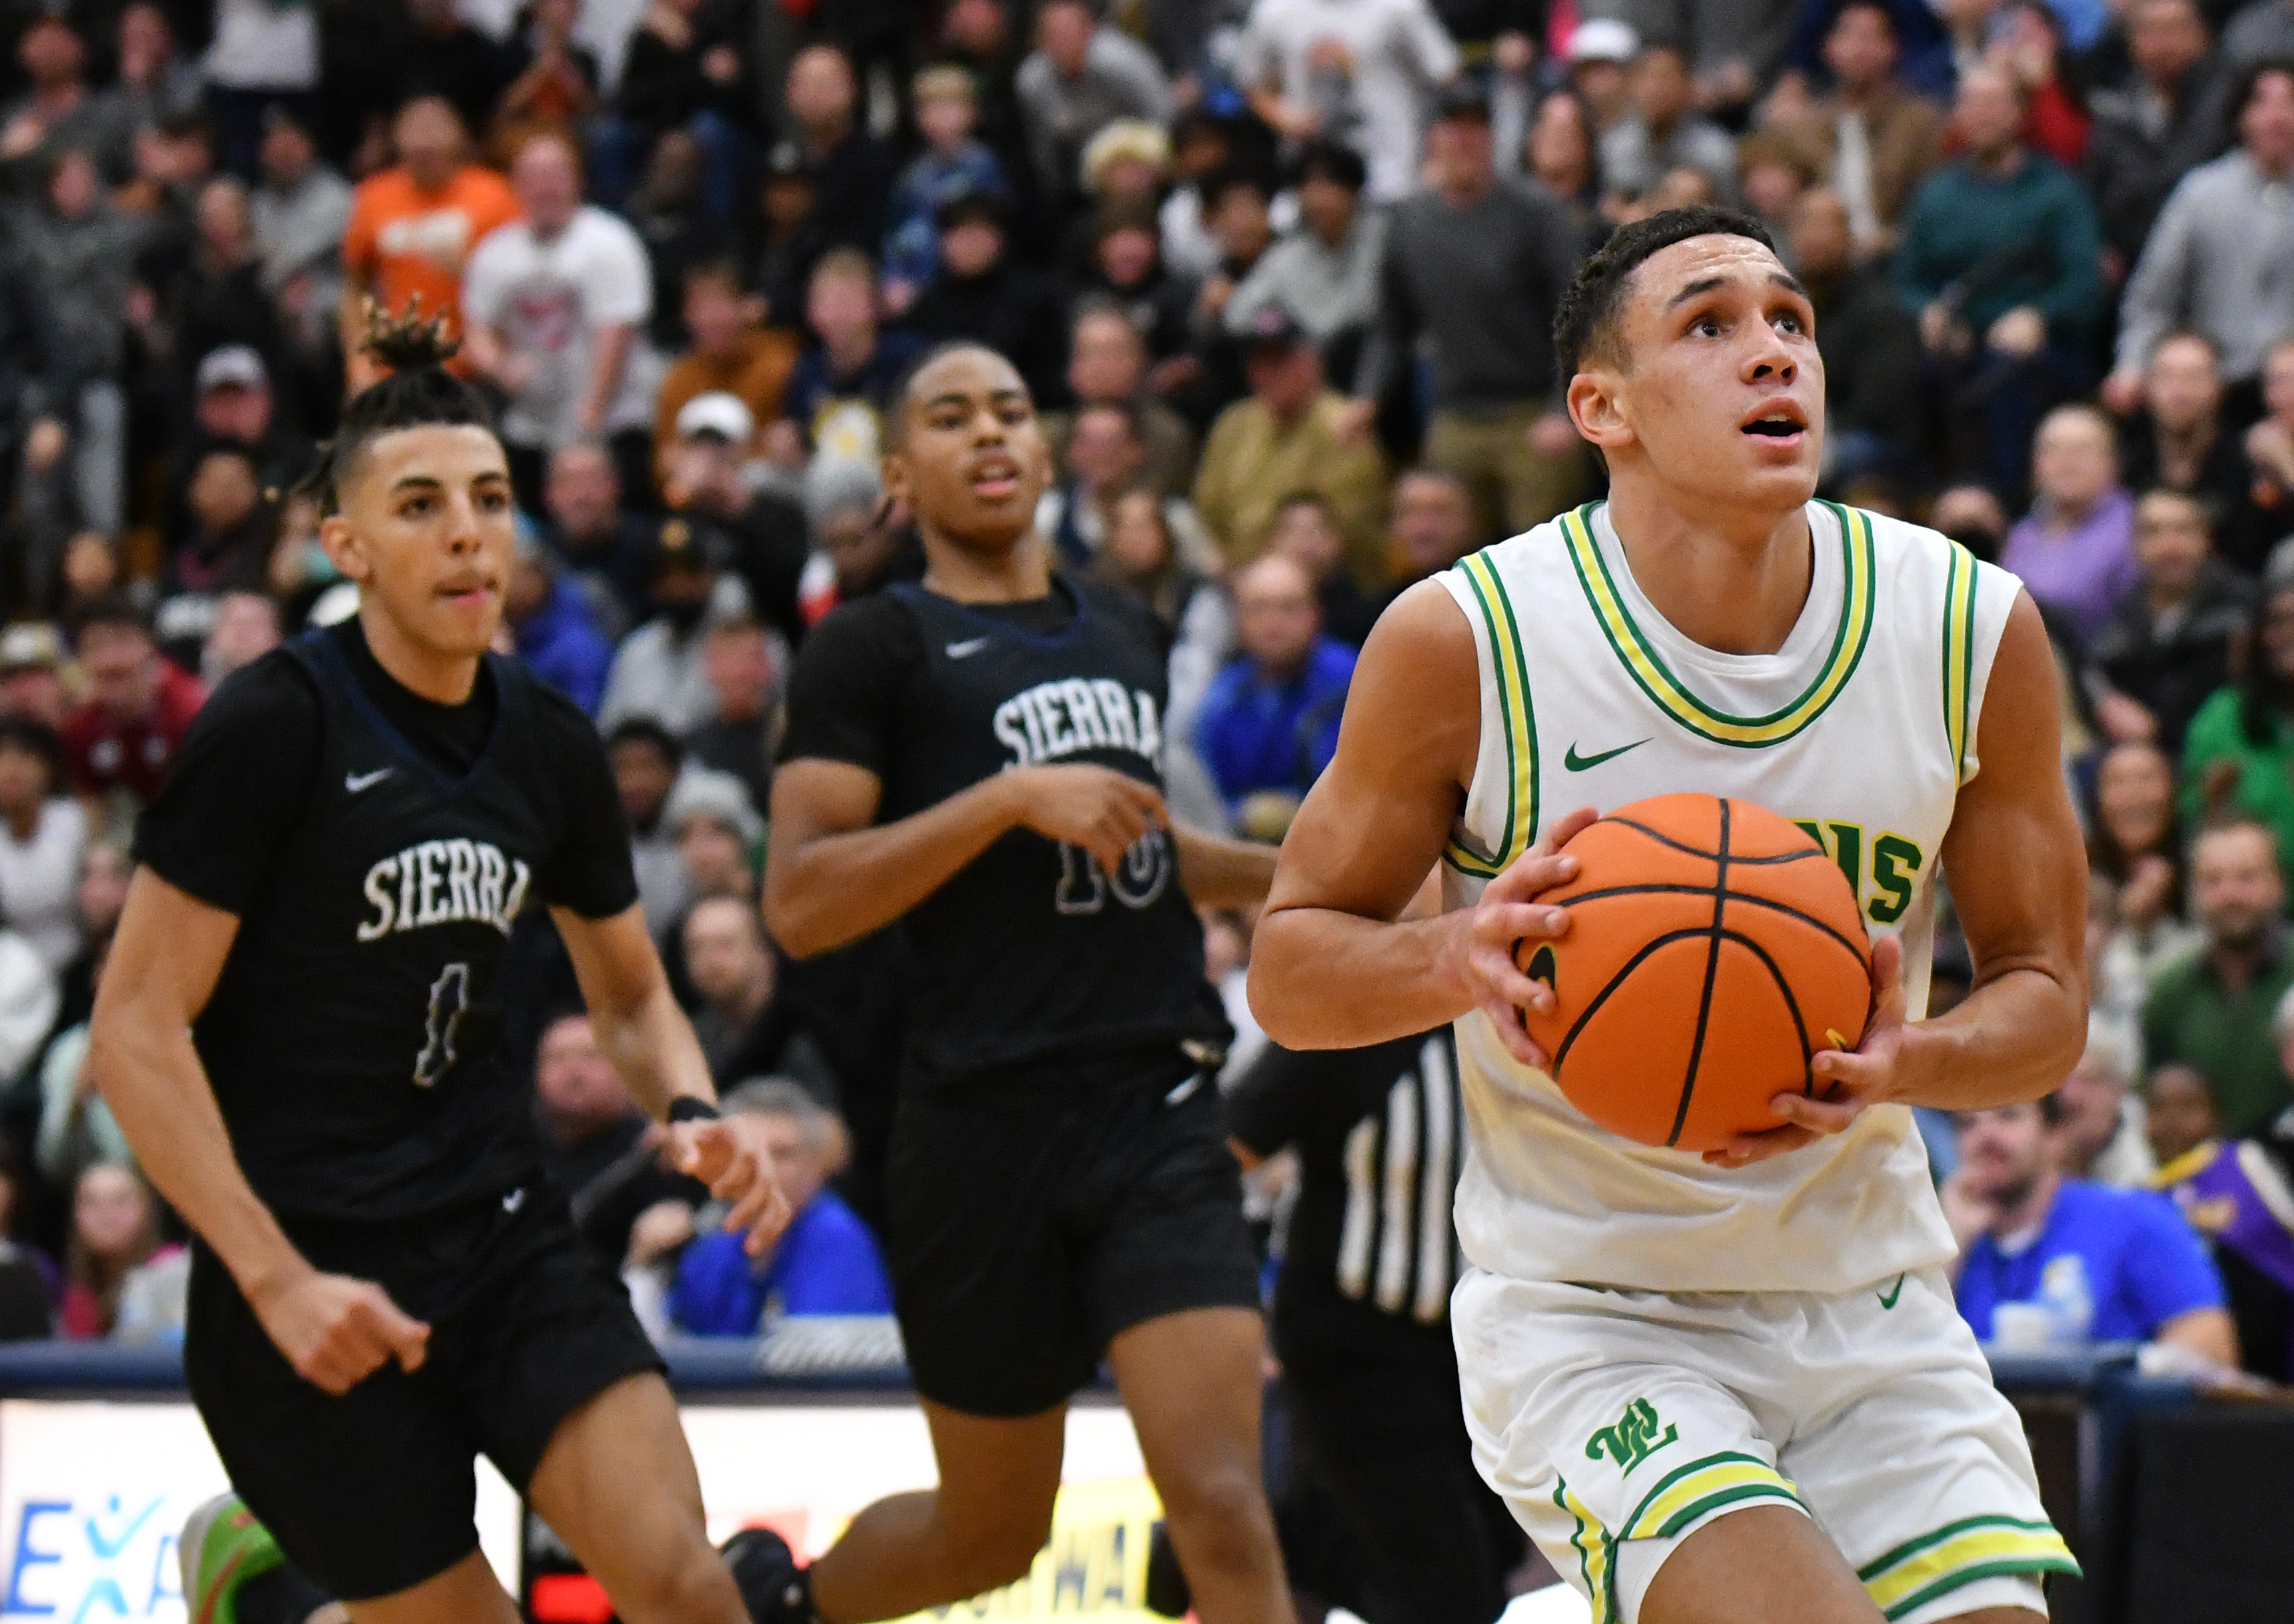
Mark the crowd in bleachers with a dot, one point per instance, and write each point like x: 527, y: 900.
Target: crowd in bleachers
x: 1281, y: 276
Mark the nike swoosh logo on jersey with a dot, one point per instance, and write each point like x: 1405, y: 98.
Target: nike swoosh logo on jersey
x: 1888, y: 1298
x: 514, y: 1200
x: 1576, y: 763
x: 356, y: 782
x: 967, y: 648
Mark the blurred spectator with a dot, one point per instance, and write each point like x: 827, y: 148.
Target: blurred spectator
x: 790, y: 240
x: 555, y: 303
x: 955, y: 163
x: 837, y: 395
x: 1304, y: 529
x: 78, y: 255
x: 582, y: 500
x: 978, y: 293
x: 1080, y: 75
x: 744, y: 1027
x: 76, y: 1129
x: 2261, y: 31
x: 31, y: 675
x: 120, y: 743
x: 1107, y: 365
x: 2211, y: 262
x: 1601, y: 55
x: 2179, y: 441
x: 2134, y: 858
x: 2172, y: 642
x: 103, y: 875
x: 1270, y: 723
x: 2214, y: 1010
x: 1128, y: 270
x: 1872, y: 141
x: 1564, y: 155
x: 1193, y: 614
x: 2027, y: 39
x: 154, y: 83
x: 445, y: 56
x: 1871, y: 348
x: 1475, y: 267
x: 228, y: 550
x: 2097, y: 1133
x: 1238, y: 208
x: 300, y: 208
x: 1429, y: 527
x: 857, y: 541
x: 733, y: 353
x: 262, y: 55
x: 2239, y: 1196
x: 57, y: 109
x: 1290, y: 434
x: 1201, y: 144
x: 2239, y: 750
x: 29, y: 1280
x: 644, y: 757
x: 232, y: 405
x: 718, y: 834
x: 414, y: 226
x: 556, y: 80
x: 207, y: 294
x: 1661, y: 130
x: 1771, y: 179
x: 552, y: 625
x: 852, y: 171
x: 115, y: 1231
x: 1105, y: 458
x: 43, y: 831
x: 1356, y: 73
x: 657, y: 671
x: 246, y: 628
x: 1999, y: 257
x: 673, y: 219
x: 2075, y: 550
x: 597, y: 1146
x: 2172, y: 115
x: 1126, y: 166
x: 2098, y: 1264
x: 825, y: 1262
x: 756, y: 532
x: 738, y: 656
x: 1324, y: 274
x: 2270, y: 446
x: 687, y: 70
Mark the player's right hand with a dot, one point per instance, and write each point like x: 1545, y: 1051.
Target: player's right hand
x: 1509, y: 913
x: 337, y: 1331
x: 1096, y: 808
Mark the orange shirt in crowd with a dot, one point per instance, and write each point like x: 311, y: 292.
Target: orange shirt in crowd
x: 403, y: 243
x: 756, y: 371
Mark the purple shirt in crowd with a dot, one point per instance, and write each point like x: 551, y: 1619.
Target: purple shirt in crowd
x: 2082, y: 572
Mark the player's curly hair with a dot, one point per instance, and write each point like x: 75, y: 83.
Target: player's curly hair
x: 418, y: 392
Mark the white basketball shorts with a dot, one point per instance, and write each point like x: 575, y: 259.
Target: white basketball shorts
x: 1616, y: 1422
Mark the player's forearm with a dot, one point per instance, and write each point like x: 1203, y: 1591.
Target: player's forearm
x: 2015, y: 1037
x: 1324, y: 979
x: 824, y: 892
x: 651, y: 1045
x: 1219, y: 872
x: 144, y: 1063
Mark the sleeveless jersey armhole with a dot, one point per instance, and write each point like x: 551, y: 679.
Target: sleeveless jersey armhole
x: 1499, y: 820
x: 1991, y: 595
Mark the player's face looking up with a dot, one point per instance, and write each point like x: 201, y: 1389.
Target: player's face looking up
x: 426, y: 532
x: 1709, y: 379
x: 968, y: 454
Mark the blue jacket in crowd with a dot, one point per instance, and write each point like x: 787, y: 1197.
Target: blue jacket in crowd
x: 826, y: 1263
x: 2123, y: 1260
x: 563, y: 644
x: 1254, y: 734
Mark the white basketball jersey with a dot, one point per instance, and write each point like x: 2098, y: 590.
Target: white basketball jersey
x: 1861, y: 728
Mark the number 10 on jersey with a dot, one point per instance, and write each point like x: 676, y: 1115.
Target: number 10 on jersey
x: 1084, y: 885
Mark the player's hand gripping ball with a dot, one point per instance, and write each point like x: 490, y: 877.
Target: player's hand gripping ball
x: 1713, y: 950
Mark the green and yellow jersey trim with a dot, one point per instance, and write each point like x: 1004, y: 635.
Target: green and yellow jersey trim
x: 1958, y: 655
x: 1681, y: 1498
x: 1516, y: 722
x: 1639, y: 656
x: 1597, y: 1556
x: 1919, y: 1571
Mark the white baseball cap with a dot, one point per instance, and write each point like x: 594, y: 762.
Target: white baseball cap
x: 1603, y: 39
x: 717, y: 413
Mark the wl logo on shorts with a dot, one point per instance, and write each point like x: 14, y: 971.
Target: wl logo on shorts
x: 1634, y: 1439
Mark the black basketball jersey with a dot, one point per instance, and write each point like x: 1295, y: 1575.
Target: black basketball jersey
x: 354, y: 1037
x: 1032, y: 961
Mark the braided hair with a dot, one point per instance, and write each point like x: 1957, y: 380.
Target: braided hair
x: 418, y: 392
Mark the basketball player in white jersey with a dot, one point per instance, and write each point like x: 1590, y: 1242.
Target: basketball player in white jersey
x: 1726, y: 1389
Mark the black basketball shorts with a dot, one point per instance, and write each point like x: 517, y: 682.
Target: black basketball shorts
x: 1027, y: 1232
x: 375, y: 1491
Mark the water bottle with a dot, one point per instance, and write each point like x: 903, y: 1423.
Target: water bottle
x: 2070, y: 1303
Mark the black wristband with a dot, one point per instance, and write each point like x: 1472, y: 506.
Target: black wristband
x: 685, y: 1108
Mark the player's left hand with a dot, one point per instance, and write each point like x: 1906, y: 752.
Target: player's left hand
x: 731, y: 1156
x: 1849, y: 1081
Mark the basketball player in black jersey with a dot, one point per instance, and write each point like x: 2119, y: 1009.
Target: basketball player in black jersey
x: 300, y: 1035
x: 979, y: 756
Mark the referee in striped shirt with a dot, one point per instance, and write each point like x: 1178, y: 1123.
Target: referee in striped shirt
x: 1385, y: 1514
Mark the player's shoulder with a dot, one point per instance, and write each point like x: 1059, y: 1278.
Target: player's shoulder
x: 1107, y: 602
x: 278, y: 690
x: 872, y: 621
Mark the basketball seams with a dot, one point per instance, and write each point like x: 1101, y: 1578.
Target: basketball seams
x: 1750, y: 898
x: 1624, y: 973
x: 1791, y: 1006
x: 1712, y: 975
x: 1686, y: 850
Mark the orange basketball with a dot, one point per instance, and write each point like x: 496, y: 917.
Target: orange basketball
x: 1713, y: 949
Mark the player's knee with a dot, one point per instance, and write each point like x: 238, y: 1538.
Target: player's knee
x: 999, y: 1554
x: 1219, y: 1519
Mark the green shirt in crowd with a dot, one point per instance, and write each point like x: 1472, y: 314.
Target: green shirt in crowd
x: 2265, y: 787
x: 2194, y: 1020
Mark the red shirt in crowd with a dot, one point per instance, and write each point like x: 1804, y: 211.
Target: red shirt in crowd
x: 103, y: 753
